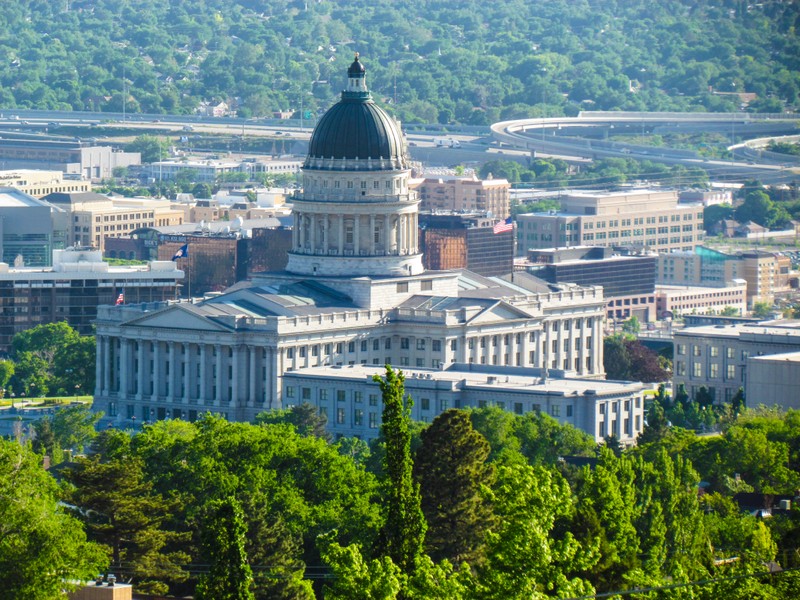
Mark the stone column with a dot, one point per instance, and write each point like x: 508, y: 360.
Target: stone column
x: 218, y: 371
x: 141, y: 371
x: 187, y: 371
x: 356, y: 235
x: 124, y: 367
x: 548, y: 359
x: 372, y: 235
x: 98, y: 366
x: 341, y: 235
x: 235, y: 374
x: 171, y: 392
x: 582, y: 350
x: 251, y: 394
x: 203, y: 373
x: 156, y: 370
x: 597, y: 363
x: 105, y: 365
x: 313, y: 228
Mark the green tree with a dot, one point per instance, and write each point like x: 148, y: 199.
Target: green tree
x: 151, y: 147
x: 121, y: 511
x: 527, y: 557
x: 452, y: 470
x: 762, y: 310
x: 6, y: 373
x: 230, y: 576
x: 43, y: 550
x: 715, y: 213
x: 403, y: 535
x: 631, y: 326
x: 306, y: 419
x: 75, y: 426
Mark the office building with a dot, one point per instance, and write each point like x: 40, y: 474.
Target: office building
x: 93, y: 218
x: 27, y: 233
x: 21, y: 151
x: 767, y: 273
x: 456, y: 241
x: 352, y: 403
x: 73, y: 288
x: 41, y: 183
x: 719, y: 357
x: 464, y: 194
x: 675, y: 300
x: 652, y: 220
x: 628, y: 280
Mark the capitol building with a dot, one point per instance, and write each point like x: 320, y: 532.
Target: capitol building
x: 354, y: 297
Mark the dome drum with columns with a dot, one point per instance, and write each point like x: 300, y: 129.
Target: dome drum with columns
x: 356, y: 215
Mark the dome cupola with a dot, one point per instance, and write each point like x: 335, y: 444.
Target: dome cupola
x: 355, y: 133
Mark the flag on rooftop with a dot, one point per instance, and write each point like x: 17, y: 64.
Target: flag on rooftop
x: 182, y: 252
x: 120, y: 298
x: 503, y: 226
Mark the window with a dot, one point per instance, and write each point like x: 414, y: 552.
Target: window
x: 323, y: 395
x: 436, y: 345
x: 714, y: 351
x: 518, y: 408
x: 443, y: 405
x: 373, y: 420
x: 425, y: 403
x: 306, y: 393
x: 730, y: 352
x: 340, y: 416
x: 388, y: 344
x: 420, y: 343
x: 426, y: 285
x: 358, y: 397
x: 730, y: 372
x: 695, y: 350
x: 289, y: 391
x: 402, y: 287
x: 376, y: 344
x: 697, y: 369
x: 555, y: 410
x: 569, y: 410
x: 358, y: 417
x: 351, y: 347
x: 404, y: 343
x: 681, y: 348
x: 713, y: 370
x: 341, y: 396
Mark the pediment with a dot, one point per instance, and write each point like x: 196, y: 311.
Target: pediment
x: 498, y: 312
x: 175, y: 317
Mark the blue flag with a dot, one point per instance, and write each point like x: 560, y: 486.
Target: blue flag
x: 182, y: 252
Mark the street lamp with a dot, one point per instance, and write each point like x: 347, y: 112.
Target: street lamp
x: 77, y: 387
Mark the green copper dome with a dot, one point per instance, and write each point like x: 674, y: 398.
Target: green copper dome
x: 356, y: 127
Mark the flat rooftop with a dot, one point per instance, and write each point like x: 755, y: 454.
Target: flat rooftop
x: 13, y: 198
x: 501, y: 379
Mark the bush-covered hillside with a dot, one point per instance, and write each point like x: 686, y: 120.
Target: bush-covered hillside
x: 468, y: 61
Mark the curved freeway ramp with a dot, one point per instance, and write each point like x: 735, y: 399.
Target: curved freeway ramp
x: 590, y: 136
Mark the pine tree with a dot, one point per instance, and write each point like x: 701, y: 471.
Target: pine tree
x: 230, y: 576
x: 451, y: 467
x: 403, y: 535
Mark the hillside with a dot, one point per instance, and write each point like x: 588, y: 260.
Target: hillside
x: 438, y: 61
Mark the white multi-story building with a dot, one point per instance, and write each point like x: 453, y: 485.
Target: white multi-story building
x: 351, y: 401
x: 354, y: 293
x: 719, y: 357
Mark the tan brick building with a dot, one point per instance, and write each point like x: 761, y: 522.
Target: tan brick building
x: 464, y: 194
x: 654, y: 220
x: 94, y: 217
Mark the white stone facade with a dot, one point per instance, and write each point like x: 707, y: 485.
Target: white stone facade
x: 352, y: 403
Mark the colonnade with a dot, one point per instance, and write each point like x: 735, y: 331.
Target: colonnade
x: 330, y: 234
x: 215, y: 375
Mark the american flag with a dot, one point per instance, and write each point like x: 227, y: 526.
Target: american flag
x: 120, y: 299
x: 503, y: 226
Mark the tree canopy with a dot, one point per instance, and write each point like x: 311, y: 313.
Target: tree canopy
x: 471, y: 63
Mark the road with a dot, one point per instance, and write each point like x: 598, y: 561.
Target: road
x: 586, y: 137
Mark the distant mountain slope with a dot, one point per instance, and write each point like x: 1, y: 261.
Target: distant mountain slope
x: 466, y: 61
